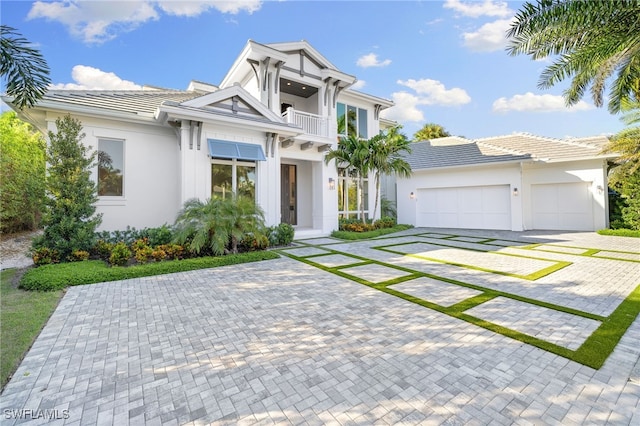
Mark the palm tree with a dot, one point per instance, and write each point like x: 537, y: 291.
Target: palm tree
x: 591, y: 39
x: 430, y: 131
x: 218, y: 224
x: 353, y: 154
x: 24, y: 67
x: 386, y: 157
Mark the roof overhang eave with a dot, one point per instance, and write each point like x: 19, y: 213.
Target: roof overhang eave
x: 168, y: 111
x: 478, y: 165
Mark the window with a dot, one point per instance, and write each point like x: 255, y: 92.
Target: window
x: 350, y: 196
x: 233, y: 176
x: 352, y: 121
x: 110, y: 168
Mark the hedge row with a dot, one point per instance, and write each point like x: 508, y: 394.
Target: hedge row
x: 60, y: 276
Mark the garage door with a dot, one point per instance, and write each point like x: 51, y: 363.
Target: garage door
x: 474, y: 207
x: 563, y: 206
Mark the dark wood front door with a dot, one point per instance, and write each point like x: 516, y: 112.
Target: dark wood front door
x: 288, y: 191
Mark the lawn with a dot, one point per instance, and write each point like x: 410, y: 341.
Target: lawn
x: 23, y: 314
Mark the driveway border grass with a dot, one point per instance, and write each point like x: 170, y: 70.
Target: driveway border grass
x: 556, y: 264
x: 59, y: 276
x: 593, y: 352
x: 23, y: 314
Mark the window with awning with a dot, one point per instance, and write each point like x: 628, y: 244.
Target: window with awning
x: 235, y: 150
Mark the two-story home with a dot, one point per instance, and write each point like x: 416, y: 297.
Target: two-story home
x: 263, y: 133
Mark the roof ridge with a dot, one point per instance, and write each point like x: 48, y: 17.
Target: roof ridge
x: 501, y: 148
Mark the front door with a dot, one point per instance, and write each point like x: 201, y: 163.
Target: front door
x: 288, y: 207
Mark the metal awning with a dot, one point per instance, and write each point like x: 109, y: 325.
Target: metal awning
x: 237, y: 150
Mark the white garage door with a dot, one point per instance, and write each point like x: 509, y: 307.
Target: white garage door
x: 563, y: 206
x: 473, y: 207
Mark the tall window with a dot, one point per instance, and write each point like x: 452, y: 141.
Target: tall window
x: 350, y: 196
x: 110, y: 168
x: 233, y: 176
x: 352, y: 121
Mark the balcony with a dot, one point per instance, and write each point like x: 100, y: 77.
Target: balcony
x: 312, y: 124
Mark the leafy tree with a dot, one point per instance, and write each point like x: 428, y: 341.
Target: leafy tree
x: 591, y: 40
x: 22, y: 172
x: 430, y: 131
x: 354, y: 155
x: 386, y: 158
x: 218, y: 225
x: 25, y: 69
x: 625, y: 177
x: 69, y: 217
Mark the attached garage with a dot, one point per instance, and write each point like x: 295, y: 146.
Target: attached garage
x: 474, y: 207
x: 514, y: 182
x: 564, y: 206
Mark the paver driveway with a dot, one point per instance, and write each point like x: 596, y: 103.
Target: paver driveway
x: 287, y: 342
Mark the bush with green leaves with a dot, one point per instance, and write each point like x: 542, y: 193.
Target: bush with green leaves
x: 69, y: 217
x: 120, y: 254
x: 218, y: 225
x: 56, y: 277
x: 22, y: 173
x: 155, y: 236
x: 281, y: 235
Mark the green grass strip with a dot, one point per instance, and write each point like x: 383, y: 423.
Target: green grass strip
x: 23, y: 314
x: 556, y: 266
x: 588, y: 252
x: 60, y: 276
x: 597, y: 348
x: 593, y: 352
x: 351, y: 236
x: 620, y: 232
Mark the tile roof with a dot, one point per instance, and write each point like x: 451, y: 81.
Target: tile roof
x: 139, y: 102
x: 429, y: 154
x: 456, y: 151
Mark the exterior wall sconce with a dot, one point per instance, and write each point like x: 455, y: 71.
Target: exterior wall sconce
x: 412, y: 196
x: 332, y: 184
x: 600, y: 189
x: 515, y: 192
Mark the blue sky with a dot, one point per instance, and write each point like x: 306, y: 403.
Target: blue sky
x: 439, y: 61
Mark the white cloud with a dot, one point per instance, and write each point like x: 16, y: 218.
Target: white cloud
x: 359, y: 84
x: 90, y: 78
x: 405, y: 108
x: 371, y: 60
x: 195, y: 8
x: 530, y: 102
x: 476, y: 9
x: 433, y: 92
x: 100, y: 21
x: 489, y: 37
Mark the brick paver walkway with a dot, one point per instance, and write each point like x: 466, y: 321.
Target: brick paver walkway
x: 285, y: 342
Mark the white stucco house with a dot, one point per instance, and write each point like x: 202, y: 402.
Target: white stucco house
x: 515, y: 182
x: 262, y: 132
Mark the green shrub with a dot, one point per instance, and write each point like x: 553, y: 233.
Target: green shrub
x: 79, y: 256
x: 281, y: 235
x: 60, y: 276
x: 69, y: 217
x: 154, y: 236
x: 143, y: 254
x: 347, y: 235
x: 102, y: 249
x: 217, y: 225
x: 620, y: 232
x: 120, y: 254
x: 22, y: 173
x: 45, y: 256
x: 385, y: 222
x: 252, y: 242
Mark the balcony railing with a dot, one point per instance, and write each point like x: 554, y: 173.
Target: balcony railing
x: 311, y: 123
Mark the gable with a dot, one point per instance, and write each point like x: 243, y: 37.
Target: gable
x: 234, y: 101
